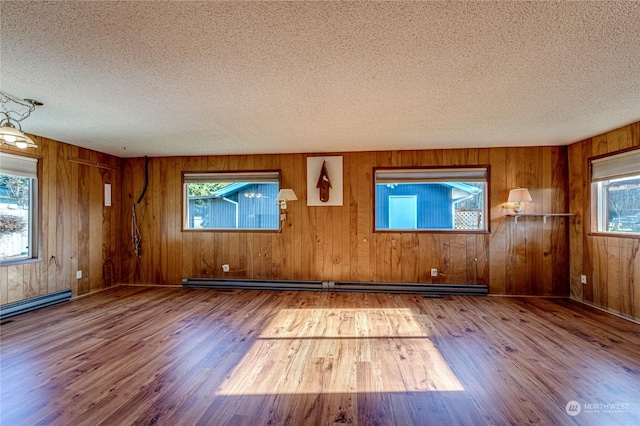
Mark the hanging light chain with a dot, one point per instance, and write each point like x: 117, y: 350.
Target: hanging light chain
x: 11, y: 111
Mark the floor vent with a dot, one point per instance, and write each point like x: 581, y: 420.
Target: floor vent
x: 340, y: 286
x: 15, y: 308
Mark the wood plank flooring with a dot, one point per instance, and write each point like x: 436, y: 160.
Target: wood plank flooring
x: 170, y: 356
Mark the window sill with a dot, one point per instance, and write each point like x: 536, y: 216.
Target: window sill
x: 432, y: 231
x: 13, y: 262
x: 207, y: 230
x: 615, y: 235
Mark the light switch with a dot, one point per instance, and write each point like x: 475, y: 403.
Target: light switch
x: 107, y: 195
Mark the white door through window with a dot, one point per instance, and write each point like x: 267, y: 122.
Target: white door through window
x: 403, y: 212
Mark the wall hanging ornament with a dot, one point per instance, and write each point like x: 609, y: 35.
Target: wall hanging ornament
x: 324, y: 183
x: 325, y: 180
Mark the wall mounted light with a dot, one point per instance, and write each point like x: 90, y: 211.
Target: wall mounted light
x: 283, y: 196
x: 10, y: 128
x: 518, y: 196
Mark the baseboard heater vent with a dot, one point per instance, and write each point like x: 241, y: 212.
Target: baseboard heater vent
x: 15, y: 308
x: 251, y: 284
x: 413, y: 288
x: 339, y: 286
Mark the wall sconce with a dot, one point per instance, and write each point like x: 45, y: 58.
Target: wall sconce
x: 283, y: 196
x: 10, y: 129
x: 517, y: 197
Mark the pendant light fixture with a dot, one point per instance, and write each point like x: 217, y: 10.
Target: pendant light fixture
x: 11, y: 131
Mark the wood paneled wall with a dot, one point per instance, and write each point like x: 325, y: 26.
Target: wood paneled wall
x: 338, y: 243
x: 74, y: 226
x: 329, y: 243
x: 611, y: 264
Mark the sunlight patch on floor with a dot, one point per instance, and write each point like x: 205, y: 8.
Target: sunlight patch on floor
x: 311, y: 351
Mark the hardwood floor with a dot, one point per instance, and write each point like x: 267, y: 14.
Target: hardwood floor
x: 135, y: 355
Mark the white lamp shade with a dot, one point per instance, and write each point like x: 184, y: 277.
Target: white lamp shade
x: 519, y: 195
x: 12, y: 136
x: 286, y: 195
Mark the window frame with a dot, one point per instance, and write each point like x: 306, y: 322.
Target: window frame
x: 185, y: 202
x: 595, y: 201
x: 486, y: 207
x: 35, y: 253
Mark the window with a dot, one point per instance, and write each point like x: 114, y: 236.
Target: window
x: 615, y: 193
x: 431, y: 199
x: 18, y: 208
x: 231, y: 200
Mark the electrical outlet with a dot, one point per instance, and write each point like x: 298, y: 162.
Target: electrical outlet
x: 583, y: 279
x: 434, y: 272
x: 225, y: 268
x: 78, y: 274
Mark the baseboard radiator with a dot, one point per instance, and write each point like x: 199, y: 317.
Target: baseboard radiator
x: 339, y: 286
x: 22, y: 306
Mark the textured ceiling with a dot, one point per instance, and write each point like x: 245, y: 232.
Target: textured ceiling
x: 189, y: 78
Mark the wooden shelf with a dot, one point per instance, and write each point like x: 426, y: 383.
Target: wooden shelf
x: 544, y: 216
